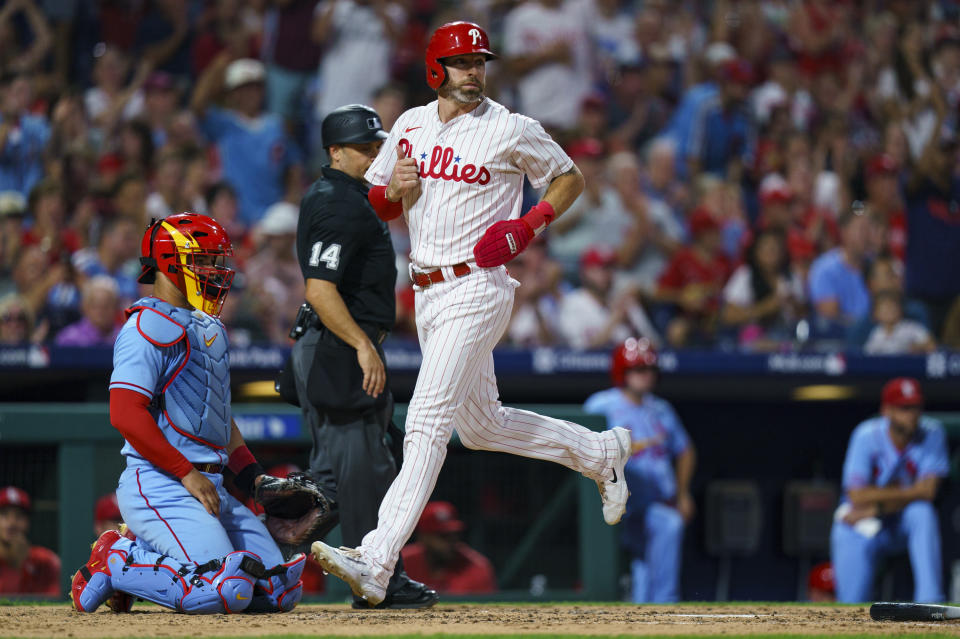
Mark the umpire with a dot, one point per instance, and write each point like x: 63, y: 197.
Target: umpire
x: 338, y: 363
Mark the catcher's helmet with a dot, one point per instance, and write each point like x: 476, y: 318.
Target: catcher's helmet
x: 454, y: 38
x: 351, y: 124
x: 633, y: 353
x: 191, y: 251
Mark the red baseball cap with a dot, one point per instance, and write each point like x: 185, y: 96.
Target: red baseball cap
x: 598, y: 256
x: 107, y: 509
x: 776, y: 194
x: 881, y: 165
x: 902, y: 391
x: 821, y: 577
x: 590, y: 148
x: 702, y: 220
x: 13, y: 496
x: 440, y: 517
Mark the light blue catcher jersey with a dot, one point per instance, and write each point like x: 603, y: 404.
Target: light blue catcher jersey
x: 179, y: 359
x: 650, y: 471
x: 873, y: 460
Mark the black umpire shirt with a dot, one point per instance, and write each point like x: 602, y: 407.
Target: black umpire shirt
x: 340, y: 239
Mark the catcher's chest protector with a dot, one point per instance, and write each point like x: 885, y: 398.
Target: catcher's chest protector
x: 196, y: 399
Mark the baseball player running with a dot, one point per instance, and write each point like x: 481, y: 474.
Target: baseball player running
x: 455, y: 169
x: 196, y: 548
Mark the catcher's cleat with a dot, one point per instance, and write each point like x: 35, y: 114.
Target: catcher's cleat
x: 613, y: 491
x: 411, y: 595
x: 91, y: 585
x: 120, y: 602
x: 348, y: 564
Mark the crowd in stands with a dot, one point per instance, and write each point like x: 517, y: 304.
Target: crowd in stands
x: 763, y: 175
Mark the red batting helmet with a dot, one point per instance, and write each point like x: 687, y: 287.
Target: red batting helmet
x: 454, y: 38
x: 633, y: 353
x: 172, y: 245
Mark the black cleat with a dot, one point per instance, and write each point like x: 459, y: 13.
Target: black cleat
x: 410, y: 596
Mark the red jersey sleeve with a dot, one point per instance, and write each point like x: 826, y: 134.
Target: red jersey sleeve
x: 129, y: 415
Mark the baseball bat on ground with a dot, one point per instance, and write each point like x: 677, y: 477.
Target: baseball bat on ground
x: 887, y: 611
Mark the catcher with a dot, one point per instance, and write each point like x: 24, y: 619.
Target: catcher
x: 190, y: 545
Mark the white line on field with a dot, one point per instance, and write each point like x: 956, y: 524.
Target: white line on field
x: 716, y: 616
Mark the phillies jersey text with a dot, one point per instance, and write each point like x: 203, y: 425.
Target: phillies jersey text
x: 471, y: 174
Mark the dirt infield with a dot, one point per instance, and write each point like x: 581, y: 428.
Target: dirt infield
x: 578, y: 619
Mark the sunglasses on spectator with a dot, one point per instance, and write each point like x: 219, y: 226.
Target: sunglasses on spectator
x: 14, y: 317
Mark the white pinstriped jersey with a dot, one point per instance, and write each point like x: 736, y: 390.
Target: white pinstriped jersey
x: 471, y: 174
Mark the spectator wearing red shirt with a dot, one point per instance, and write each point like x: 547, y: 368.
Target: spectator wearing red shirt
x: 24, y: 569
x: 439, y: 559
x: 884, y: 201
x: 693, y: 280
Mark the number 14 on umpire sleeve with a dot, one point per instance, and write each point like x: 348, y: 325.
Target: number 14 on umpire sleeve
x: 330, y: 255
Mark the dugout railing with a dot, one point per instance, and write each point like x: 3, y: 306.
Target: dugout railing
x: 83, y: 448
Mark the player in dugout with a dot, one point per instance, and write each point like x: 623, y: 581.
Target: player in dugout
x: 893, y: 468
x: 658, y: 473
x: 24, y: 569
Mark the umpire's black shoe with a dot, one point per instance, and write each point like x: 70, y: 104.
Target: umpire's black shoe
x: 410, y: 595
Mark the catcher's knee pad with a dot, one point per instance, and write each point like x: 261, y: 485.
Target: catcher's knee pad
x: 228, y: 589
x: 213, y: 587
x: 281, y: 588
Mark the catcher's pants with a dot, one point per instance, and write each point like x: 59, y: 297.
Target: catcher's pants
x: 350, y: 459
x: 459, y: 322
x: 167, y: 519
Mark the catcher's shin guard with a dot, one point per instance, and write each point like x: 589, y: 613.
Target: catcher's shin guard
x: 216, y: 586
x: 280, y: 588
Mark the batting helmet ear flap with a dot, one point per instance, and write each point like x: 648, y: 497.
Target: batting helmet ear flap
x: 436, y: 74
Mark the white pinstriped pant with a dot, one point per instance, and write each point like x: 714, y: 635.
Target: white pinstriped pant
x: 459, y: 322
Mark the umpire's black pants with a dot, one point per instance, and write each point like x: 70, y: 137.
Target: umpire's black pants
x: 350, y: 459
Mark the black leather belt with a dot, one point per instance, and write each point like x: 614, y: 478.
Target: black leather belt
x: 215, y: 469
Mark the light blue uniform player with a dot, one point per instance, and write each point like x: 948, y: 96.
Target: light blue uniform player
x: 196, y: 548
x: 893, y: 467
x: 658, y: 474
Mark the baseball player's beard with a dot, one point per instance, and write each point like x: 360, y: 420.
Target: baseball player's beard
x: 463, y: 95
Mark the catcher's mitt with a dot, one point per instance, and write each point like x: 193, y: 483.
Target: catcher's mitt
x: 296, y: 509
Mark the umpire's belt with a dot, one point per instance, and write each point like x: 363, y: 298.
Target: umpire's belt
x: 426, y: 279
x: 216, y: 469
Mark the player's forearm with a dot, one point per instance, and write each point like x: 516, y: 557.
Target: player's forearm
x: 209, y: 84
x: 892, y: 498
x: 236, y: 438
x: 685, y: 465
x: 332, y: 311
x: 241, y: 462
x: 564, y: 190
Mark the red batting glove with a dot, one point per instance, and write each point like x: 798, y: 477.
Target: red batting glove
x: 502, y: 242
x: 506, y: 239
